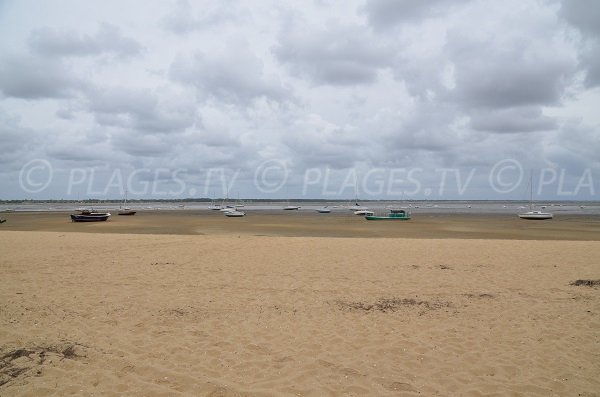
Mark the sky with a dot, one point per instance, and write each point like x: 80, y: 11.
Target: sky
x: 369, y: 99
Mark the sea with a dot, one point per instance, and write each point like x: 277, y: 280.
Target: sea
x: 429, y: 206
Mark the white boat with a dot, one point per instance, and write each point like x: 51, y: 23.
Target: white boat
x: 235, y: 214
x: 364, y: 213
x: 531, y: 214
x: 535, y: 215
x: 291, y: 208
x: 323, y: 210
x: 124, y: 210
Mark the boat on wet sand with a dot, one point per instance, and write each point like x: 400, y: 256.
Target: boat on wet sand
x: 531, y: 214
x: 89, y: 216
x: 235, y: 214
x: 394, y: 215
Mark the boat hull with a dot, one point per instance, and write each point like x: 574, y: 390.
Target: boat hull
x: 386, y: 218
x: 536, y: 216
x: 89, y: 217
x: 235, y: 214
x: 126, y: 213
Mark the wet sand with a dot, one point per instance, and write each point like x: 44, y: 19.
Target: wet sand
x: 310, y: 224
x: 238, y: 315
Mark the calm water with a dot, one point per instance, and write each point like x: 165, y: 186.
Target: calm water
x: 446, y: 207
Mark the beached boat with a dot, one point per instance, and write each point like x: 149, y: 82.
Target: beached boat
x: 394, y: 215
x: 531, y: 214
x: 88, y: 216
x: 323, y: 210
x: 235, y: 214
x: 2, y: 220
x: 123, y: 209
x: 536, y: 215
x: 364, y: 213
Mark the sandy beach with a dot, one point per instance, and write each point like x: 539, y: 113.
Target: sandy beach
x: 234, y: 314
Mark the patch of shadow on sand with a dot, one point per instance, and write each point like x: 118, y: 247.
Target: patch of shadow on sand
x: 24, y: 362
x: 586, y: 283
x: 385, y: 305
x: 480, y: 296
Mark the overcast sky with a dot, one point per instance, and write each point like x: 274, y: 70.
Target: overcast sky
x: 413, y: 99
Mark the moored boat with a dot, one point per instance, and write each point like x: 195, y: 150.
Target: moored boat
x: 88, y: 216
x: 535, y: 215
x: 394, y: 215
x: 323, y: 210
x: 531, y: 214
x: 235, y: 214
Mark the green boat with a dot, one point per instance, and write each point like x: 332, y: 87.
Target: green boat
x: 394, y: 215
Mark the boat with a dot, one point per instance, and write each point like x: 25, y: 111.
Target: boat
x: 89, y: 216
x: 536, y: 215
x: 531, y: 214
x: 291, y: 208
x: 364, y: 213
x: 235, y: 214
x: 2, y: 220
x: 324, y: 210
x: 125, y: 210
x: 394, y: 215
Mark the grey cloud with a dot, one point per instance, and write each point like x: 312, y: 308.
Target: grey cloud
x: 491, y: 74
x: 591, y: 60
x: 337, y: 55
x: 313, y: 141
x: 387, y: 13
x: 140, y: 109
x: 18, y: 142
x: 107, y: 40
x: 32, y: 77
x: 156, y: 145
x: 585, y: 16
x: 511, y: 120
x: 181, y: 19
x: 235, y: 76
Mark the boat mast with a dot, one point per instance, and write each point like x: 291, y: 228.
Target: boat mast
x: 531, y: 190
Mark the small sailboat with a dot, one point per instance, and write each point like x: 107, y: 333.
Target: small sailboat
x: 290, y: 207
x: 531, y: 214
x: 323, y: 210
x: 123, y: 209
x: 364, y: 212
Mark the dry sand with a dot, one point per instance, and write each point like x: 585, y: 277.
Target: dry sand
x: 167, y: 315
